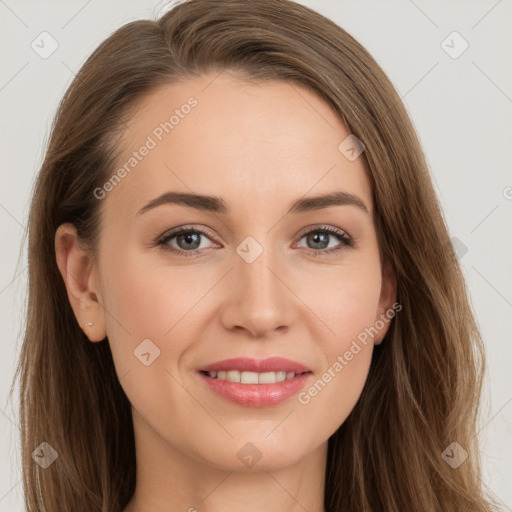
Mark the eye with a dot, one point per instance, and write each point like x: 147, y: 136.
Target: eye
x: 187, y: 240
x: 319, y: 239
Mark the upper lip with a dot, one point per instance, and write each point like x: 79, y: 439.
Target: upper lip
x: 245, y: 364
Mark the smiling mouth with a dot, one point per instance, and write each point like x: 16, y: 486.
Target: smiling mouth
x: 245, y: 377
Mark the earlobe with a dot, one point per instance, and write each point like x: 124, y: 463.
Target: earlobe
x: 77, y: 269
x: 387, y: 300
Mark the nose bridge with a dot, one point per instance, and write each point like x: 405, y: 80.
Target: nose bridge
x: 260, y: 298
x: 257, y: 264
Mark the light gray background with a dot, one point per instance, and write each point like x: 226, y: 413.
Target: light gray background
x: 460, y: 107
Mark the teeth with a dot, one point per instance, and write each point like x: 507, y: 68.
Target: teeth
x: 248, y: 377
x: 280, y: 376
x: 233, y: 376
x: 267, y: 378
x: 252, y: 377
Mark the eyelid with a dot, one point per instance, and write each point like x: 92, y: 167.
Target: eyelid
x: 171, y: 233
x: 321, y: 227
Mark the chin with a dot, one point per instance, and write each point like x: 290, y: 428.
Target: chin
x: 246, y: 456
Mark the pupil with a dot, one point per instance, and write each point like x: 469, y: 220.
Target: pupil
x: 188, y: 239
x: 316, y: 239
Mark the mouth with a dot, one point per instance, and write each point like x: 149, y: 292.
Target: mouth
x: 255, y: 389
x: 255, y: 382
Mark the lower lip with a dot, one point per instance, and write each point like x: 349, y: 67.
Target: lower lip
x: 257, y: 395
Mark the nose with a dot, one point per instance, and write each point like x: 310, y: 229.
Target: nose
x: 258, y: 298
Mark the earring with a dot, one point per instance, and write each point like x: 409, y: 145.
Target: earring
x: 88, y: 324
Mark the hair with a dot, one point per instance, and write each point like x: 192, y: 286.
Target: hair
x: 423, y: 387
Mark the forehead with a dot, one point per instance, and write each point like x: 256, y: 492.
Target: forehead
x: 221, y: 135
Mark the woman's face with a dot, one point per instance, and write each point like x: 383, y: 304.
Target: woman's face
x: 251, y: 279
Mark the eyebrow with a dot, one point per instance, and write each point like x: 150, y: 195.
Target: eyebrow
x: 218, y: 205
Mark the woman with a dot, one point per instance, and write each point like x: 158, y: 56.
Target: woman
x: 313, y: 349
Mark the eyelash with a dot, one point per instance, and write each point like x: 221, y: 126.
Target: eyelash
x: 346, y: 241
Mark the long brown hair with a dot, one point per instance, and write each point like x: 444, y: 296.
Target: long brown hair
x: 424, y: 384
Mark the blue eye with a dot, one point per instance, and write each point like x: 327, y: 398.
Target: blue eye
x: 189, y: 243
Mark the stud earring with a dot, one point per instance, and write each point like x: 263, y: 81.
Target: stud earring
x: 88, y: 324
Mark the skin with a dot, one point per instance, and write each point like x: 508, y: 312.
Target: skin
x: 259, y: 146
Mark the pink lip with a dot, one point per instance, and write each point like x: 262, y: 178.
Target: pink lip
x: 245, y: 364
x: 257, y: 395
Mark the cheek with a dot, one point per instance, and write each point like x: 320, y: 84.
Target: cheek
x: 346, y: 299
x: 333, y: 394
x: 348, y: 306
x: 156, y: 302
x: 148, y: 300
x: 146, y: 313
x: 350, y: 312
x: 140, y: 305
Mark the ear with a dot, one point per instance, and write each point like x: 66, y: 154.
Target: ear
x: 387, y: 303
x: 79, y: 272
